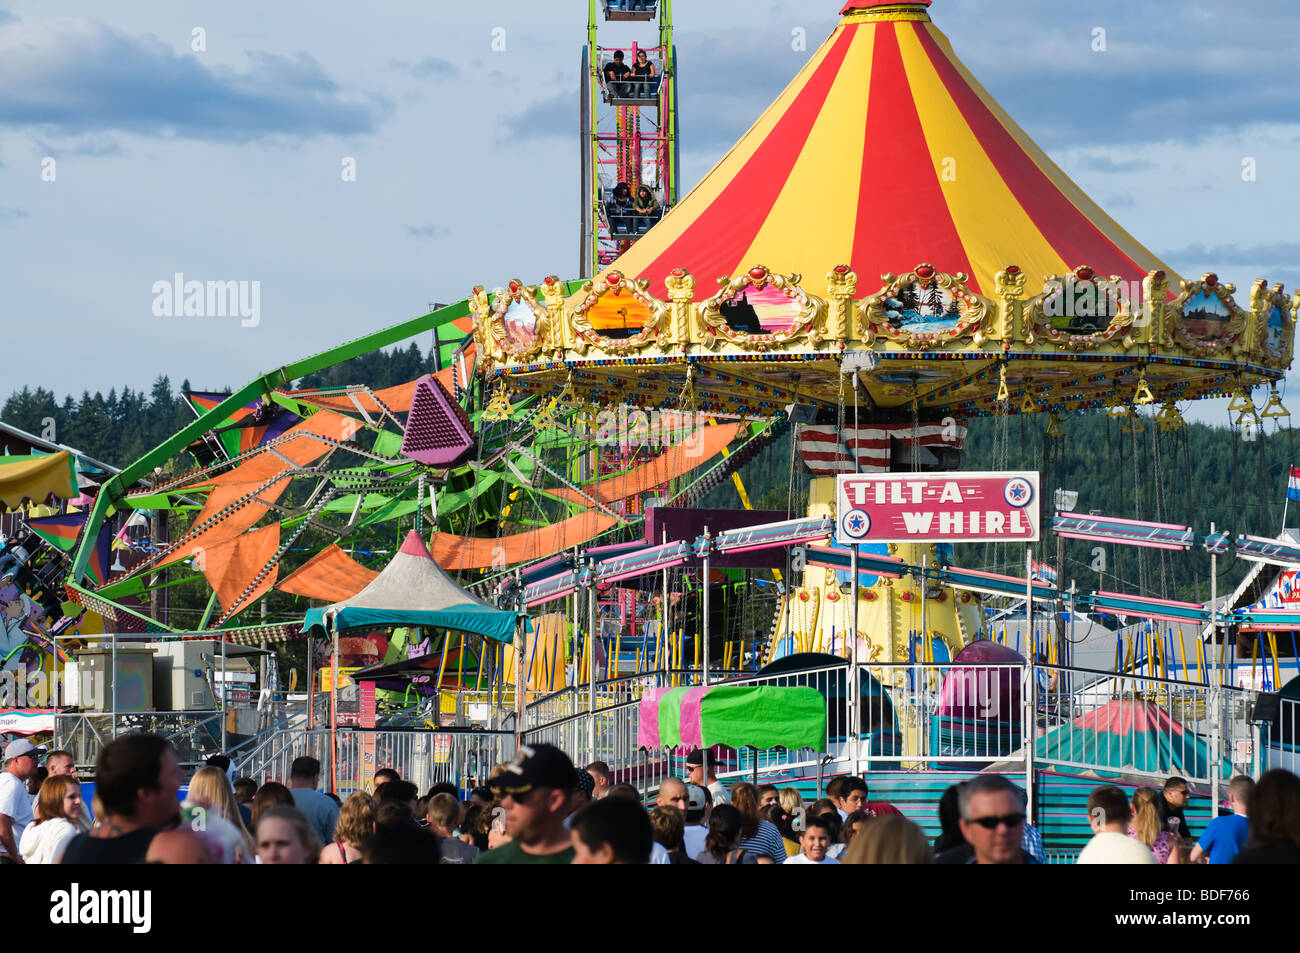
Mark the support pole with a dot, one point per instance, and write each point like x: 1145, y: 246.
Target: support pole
x: 1030, y: 720
x: 591, y: 665
x: 666, y: 652
x: 1064, y: 660
x: 334, y: 713
x: 704, y: 675
x: 225, y: 694
x: 855, y: 706
x: 521, y: 675
x: 1214, y: 609
x: 311, y: 684
x: 113, y: 675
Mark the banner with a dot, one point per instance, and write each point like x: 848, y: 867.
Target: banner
x: 941, y: 507
x: 27, y: 721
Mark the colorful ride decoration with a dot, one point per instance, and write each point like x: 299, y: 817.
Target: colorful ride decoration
x: 1054, y: 307
x: 979, y: 713
x: 36, y: 477
x: 1130, y: 735
x: 737, y: 716
x: 737, y: 352
x: 810, y: 267
x: 412, y: 590
x: 824, y: 672
x: 819, y: 612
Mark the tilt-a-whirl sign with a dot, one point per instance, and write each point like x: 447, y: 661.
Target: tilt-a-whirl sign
x: 941, y: 507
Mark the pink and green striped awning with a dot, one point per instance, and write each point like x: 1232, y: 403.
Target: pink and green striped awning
x: 738, y: 716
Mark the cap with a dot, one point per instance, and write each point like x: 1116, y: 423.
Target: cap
x: 536, y: 766
x: 697, y: 757
x: 697, y: 799
x: 16, y: 749
x: 584, y: 782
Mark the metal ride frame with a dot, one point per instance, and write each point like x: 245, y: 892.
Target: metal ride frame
x: 615, y: 139
x: 264, y: 387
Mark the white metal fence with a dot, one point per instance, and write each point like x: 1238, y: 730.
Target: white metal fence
x: 1281, y: 738
x: 949, y: 716
x: 464, y: 758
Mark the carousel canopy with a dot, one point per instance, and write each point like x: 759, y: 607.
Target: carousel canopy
x: 883, y: 152
x: 886, y: 216
x: 413, y: 590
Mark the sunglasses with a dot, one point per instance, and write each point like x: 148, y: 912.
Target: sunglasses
x: 992, y: 823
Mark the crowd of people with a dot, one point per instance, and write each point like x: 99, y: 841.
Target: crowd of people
x: 541, y: 809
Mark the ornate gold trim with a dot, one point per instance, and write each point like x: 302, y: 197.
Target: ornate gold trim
x: 585, y: 336
x: 875, y: 318
x: 1231, y: 341
x: 1262, y: 302
x: 498, y: 338
x: 1120, y: 324
x: 808, y: 324
x: 891, y: 14
x: 842, y: 284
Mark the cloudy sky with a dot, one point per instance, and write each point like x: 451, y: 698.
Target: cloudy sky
x: 224, y: 163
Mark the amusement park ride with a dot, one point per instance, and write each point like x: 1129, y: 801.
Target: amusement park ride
x: 826, y: 284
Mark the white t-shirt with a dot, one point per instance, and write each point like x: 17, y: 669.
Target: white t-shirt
x: 802, y: 858
x: 719, y: 793
x: 658, y: 855
x: 16, y: 803
x: 693, y: 838
x: 1110, y: 847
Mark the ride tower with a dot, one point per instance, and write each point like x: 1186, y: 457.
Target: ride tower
x: 628, y: 131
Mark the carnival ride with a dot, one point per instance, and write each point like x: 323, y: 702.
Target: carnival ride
x: 628, y: 133
x: 556, y: 458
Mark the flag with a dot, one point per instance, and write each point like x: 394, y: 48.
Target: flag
x: 1044, y: 572
x: 98, y: 565
x: 1293, y: 485
x: 60, y: 531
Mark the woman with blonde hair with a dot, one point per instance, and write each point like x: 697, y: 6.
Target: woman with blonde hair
x: 356, y: 822
x: 888, y: 839
x: 59, y: 811
x: 1146, y: 825
x: 213, y: 814
x: 791, y: 800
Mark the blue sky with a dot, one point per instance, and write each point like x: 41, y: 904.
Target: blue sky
x: 224, y: 164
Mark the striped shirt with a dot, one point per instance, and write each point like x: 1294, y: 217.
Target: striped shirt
x: 766, y: 840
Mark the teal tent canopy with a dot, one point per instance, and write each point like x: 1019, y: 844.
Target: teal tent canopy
x: 413, y: 590
x: 1129, y: 735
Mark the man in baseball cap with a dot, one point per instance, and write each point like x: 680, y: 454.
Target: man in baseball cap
x: 535, y: 790
x: 21, y: 759
x: 702, y: 774
x: 699, y: 804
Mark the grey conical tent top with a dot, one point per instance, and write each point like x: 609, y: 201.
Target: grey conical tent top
x: 414, y: 590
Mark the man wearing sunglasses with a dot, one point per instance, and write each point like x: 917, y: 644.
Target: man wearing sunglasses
x: 992, y: 821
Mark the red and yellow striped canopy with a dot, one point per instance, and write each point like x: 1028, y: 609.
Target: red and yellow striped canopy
x: 885, y: 152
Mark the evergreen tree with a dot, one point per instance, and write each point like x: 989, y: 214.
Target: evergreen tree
x: 934, y: 299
